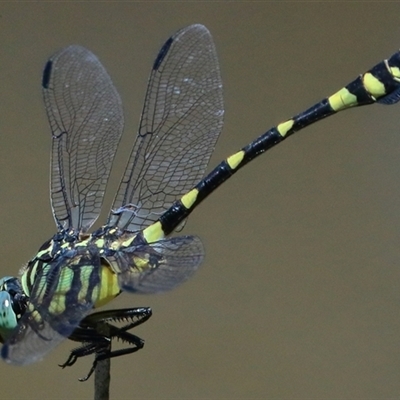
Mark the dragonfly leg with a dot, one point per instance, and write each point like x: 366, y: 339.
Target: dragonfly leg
x: 96, y: 333
x: 135, y: 343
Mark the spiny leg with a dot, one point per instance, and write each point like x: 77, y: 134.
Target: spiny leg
x: 96, y: 333
x: 104, y: 352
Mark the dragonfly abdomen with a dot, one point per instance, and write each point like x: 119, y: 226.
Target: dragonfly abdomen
x: 379, y: 84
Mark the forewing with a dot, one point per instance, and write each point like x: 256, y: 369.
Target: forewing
x: 58, y: 302
x: 86, y: 120
x: 160, y: 266
x: 180, y: 124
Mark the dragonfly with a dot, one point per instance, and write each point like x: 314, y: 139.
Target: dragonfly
x: 136, y: 250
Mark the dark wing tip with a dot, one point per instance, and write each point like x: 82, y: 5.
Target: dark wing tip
x: 46, y: 74
x: 167, y: 45
x: 162, y: 53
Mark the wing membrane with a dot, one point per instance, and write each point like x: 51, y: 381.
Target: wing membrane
x: 86, y: 120
x: 180, y: 124
x: 169, y: 263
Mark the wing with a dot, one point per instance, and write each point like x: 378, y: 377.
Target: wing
x: 179, y: 127
x: 63, y: 294
x: 86, y: 121
x: 160, y: 266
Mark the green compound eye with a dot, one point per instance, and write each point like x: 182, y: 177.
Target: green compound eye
x: 8, y: 319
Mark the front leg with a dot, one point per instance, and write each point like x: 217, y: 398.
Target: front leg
x: 96, y: 333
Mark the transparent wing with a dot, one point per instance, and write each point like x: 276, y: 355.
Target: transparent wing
x: 160, y: 266
x: 180, y: 124
x: 57, y: 305
x: 86, y: 121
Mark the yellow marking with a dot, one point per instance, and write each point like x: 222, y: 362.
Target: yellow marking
x: 373, y: 85
x: 35, y: 314
x: 395, y: 71
x: 153, y: 232
x: 142, y: 263
x: 120, y: 242
x: 24, y: 283
x: 45, y: 251
x: 57, y: 305
x: 30, y: 273
x: 115, y: 245
x: 81, y: 243
x: 95, y: 294
x: 189, y: 198
x: 342, y: 99
x: 235, y: 159
x: 109, y: 287
x: 58, y: 301
x: 100, y: 243
x: 284, y: 127
x: 128, y: 242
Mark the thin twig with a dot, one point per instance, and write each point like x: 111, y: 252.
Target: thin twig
x: 102, y: 380
x: 102, y: 375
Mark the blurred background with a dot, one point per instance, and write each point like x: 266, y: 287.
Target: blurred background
x: 299, y: 294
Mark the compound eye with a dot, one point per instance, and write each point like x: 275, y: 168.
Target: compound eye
x: 8, y: 318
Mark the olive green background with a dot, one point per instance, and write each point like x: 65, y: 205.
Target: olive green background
x: 299, y: 295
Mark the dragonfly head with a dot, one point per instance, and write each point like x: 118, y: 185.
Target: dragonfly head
x: 13, y: 303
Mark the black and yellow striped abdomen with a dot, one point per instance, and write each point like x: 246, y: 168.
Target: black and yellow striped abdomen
x: 380, y: 84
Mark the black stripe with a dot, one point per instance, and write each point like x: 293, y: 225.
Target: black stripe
x: 357, y: 88
x: 71, y: 297
x: 94, y: 281
x: 315, y: 113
